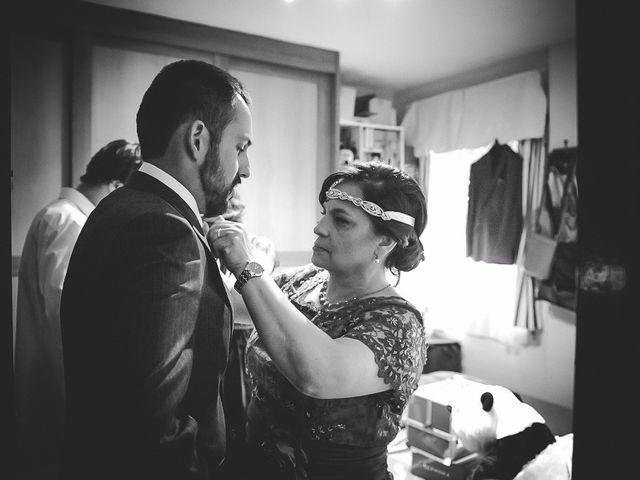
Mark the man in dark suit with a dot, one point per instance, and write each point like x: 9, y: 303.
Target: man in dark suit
x: 146, y: 319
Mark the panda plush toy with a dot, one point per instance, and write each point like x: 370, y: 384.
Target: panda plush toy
x: 510, y: 437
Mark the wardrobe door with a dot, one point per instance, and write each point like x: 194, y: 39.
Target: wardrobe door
x: 39, y: 135
x: 110, y: 88
x: 289, y: 158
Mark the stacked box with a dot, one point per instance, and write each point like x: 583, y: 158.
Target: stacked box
x: 425, y: 466
x: 436, y: 451
x: 347, y: 102
x: 444, y: 448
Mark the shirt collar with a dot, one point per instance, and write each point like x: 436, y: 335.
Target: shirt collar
x: 78, y: 199
x: 173, y: 184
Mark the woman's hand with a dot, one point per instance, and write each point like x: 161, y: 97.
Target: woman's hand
x: 230, y: 243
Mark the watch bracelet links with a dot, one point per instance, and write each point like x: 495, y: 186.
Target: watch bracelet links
x: 242, y: 278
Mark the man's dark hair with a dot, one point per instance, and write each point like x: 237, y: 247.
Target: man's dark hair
x: 113, y: 162
x: 184, y: 91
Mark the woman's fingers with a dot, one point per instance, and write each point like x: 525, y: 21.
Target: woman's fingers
x: 228, y: 241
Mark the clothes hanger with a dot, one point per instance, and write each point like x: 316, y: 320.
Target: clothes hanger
x: 563, y: 158
x: 496, y: 145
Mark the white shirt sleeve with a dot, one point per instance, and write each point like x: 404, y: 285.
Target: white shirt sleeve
x: 61, y: 232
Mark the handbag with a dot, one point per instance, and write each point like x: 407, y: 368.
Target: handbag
x: 539, y: 247
x: 539, y: 250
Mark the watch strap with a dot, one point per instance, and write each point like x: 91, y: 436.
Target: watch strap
x: 247, y: 274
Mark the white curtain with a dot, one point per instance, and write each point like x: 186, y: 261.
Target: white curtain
x: 511, y: 108
x: 433, y: 124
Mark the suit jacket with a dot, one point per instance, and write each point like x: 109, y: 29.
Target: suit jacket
x: 146, y: 324
x: 494, y: 218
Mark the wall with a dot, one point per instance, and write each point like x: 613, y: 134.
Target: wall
x: 544, y: 370
x: 563, y: 100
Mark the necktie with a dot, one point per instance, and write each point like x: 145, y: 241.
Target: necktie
x: 205, y: 229
x: 205, y: 226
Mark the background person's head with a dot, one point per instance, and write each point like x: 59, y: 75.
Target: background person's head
x: 189, y: 91
x: 112, y: 164
x: 235, y: 209
x: 392, y: 190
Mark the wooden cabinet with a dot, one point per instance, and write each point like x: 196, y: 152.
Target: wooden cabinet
x: 369, y: 141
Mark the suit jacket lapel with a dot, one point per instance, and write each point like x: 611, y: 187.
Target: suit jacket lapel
x: 215, y: 267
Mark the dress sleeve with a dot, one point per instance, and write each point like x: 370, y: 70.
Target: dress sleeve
x: 396, y: 337
x: 281, y: 277
x: 291, y: 279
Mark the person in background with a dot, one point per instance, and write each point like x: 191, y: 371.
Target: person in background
x: 336, y: 352
x: 146, y: 319
x: 236, y: 387
x: 262, y: 247
x: 39, y: 373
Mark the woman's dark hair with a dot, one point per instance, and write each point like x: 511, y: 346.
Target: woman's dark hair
x: 235, y: 209
x: 113, y: 162
x: 184, y: 91
x: 392, y: 190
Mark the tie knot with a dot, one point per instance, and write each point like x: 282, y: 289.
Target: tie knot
x: 205, y: 226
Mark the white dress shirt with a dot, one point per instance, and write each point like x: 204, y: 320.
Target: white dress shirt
x: 173, y: 184
x: 39, y: 374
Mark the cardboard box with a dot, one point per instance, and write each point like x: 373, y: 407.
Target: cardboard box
x: 363, y: 105
x: 383, y: 111
x: 347, y: 103
x: 426, y: 466
x: 428, y: 418
x: 424, y: 412
x: 445, y: 448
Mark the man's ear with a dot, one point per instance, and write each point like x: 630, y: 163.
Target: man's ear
x: 198, y: 141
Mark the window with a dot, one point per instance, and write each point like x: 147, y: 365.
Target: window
x: 457, y: 294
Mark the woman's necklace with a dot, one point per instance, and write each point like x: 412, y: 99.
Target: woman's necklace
x: 322, y: 298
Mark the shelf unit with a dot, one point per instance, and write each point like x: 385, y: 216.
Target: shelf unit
x: 373, y: 141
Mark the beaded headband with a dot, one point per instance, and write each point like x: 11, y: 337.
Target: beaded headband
x: 370, y: 207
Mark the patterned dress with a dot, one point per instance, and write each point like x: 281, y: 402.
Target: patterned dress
x: 344, y: 437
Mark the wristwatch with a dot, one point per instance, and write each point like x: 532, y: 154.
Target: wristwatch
x: 251, y: 270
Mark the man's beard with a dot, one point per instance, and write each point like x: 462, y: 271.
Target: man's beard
x: 216, y: 193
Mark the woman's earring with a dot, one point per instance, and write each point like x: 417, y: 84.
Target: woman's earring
x: 376, y: 258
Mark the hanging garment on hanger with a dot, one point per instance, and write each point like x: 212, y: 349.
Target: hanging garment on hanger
x: 494, y: 217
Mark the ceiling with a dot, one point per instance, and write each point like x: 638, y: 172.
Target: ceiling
x: 392, y: 45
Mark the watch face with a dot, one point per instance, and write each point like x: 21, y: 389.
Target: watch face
x: 255, y: 268
x: 251, y: 270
